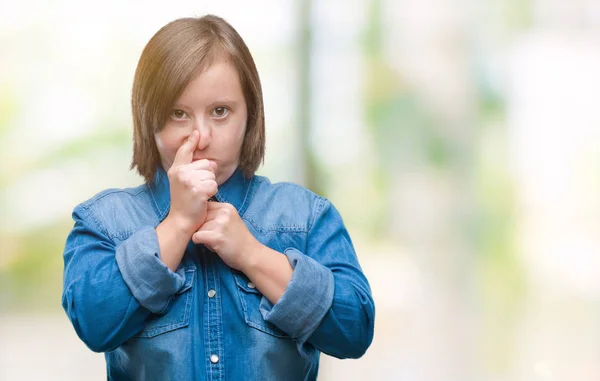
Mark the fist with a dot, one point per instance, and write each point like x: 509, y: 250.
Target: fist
x: 225, y: 233
x: 192, y: 184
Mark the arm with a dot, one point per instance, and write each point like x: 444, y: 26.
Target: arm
x: 321, y: 296
x: 328, y: 300
x: 225, y: 233
x: 109, y: 291
x: 173, y: 238
x: 191, y: 185
x: 269, y: 270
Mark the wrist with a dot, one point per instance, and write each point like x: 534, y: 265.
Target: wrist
x: 178, y: 225
x: 254, y: 258
x: 173, y: 237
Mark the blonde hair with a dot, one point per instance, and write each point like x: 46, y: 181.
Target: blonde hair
x: 171, y: 59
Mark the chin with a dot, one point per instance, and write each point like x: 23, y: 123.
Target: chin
x: 224, y: 176
x: 221, y: 178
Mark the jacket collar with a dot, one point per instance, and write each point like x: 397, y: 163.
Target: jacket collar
x: 233, y: 191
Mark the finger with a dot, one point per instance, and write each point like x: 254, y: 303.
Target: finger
x: 209, y: 225
x: 206, y: 237
x: 185, y: 153
x: 203, y: 164
x: 214, y: 205
x: 212, y: 214
x: 202, y: 175
x: 223, y: 208
x: 204, y: 187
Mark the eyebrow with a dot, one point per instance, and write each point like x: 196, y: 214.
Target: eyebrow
x: 219, y: 102
x: 225, y: 101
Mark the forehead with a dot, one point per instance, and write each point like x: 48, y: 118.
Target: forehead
x: 219, y: 80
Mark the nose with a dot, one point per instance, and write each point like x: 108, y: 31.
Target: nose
x: 205, y: 130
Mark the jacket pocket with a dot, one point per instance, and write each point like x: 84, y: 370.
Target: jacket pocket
x: 178, y: 315
x: 250, y: 299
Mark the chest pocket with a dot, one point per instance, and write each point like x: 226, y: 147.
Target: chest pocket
x: 250, y: 299
x: 178, y: 315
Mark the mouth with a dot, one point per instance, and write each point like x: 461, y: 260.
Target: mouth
x: 203, y: 158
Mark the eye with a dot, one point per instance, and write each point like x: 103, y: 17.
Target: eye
x: 220, y: 112
x: 178, y: 114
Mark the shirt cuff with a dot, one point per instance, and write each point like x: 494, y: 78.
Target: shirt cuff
x: 150, y: 281
x: 306, y: 300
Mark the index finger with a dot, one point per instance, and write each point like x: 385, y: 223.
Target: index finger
x: 185, y: 153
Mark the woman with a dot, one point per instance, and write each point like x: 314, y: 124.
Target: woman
x: 207, y: 271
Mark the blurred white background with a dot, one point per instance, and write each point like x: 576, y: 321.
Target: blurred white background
x: 459, y: 139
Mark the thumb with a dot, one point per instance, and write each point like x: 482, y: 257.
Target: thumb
x: 213, y: 165
x: 185, y: 153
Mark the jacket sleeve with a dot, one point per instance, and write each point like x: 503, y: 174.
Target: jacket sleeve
x: 109, y: 291
x: 328, y: 301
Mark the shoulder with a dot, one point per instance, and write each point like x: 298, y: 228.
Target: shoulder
x: 284, y: 205
x: 116, y: 196
x: 114, y: 210
x: 286, y: 192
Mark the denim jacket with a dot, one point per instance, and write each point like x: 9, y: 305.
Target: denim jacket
x: 207, y: 321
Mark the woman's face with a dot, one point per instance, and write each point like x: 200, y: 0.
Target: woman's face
x: 213, y: 103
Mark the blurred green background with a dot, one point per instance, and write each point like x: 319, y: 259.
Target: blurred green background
x: 460, y: 141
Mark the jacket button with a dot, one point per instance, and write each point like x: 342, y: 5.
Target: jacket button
x: 214, y: 359
x: 212, y: 293
x: 251, y: 285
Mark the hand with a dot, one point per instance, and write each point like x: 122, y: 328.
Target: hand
x: 192, y: 184
x: 225, y: 233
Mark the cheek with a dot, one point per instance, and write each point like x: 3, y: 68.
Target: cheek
x: 159, y: 143
x: 231, y: 135
x: 240, y: 136
x: 237, y: 140
x: 167, y: 145
x: 241, y: 130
